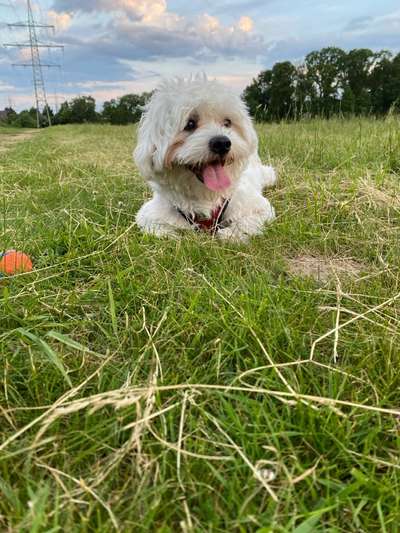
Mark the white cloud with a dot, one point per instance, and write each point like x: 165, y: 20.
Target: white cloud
x: 208, y: 23
x: 136, y: 9
x: 62, y: 21
x: 388, y: 23
x: 149, y: 28
x: 246, y: 24
x: 5, y: 87
x: 24, y: 54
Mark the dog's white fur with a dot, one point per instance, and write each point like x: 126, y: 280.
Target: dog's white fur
x: 164, y: 149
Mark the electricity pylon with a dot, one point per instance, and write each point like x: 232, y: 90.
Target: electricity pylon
x: 35, y: 62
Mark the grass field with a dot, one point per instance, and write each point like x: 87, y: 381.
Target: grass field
x: 194, y: 385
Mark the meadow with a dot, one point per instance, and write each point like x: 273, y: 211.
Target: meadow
x: 192, y: 384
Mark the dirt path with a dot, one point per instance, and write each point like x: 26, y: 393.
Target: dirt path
x: 7, y: 140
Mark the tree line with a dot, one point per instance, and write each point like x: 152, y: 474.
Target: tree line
x: 329, y: 82
x: 125, y: 110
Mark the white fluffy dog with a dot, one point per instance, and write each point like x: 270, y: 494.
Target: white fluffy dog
x: 197, y: 148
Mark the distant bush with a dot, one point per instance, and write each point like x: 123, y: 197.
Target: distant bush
x: 79, y: 110
x: 25, y: 119
x: 125, y: 110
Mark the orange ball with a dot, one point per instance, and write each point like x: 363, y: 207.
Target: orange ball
x: 13, y: 262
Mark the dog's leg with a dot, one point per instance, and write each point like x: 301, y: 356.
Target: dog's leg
x: 160, y: 218
x: 246, y: 215
x: 260, y: 176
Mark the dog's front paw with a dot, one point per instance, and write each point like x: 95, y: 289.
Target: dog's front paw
x: 270, y: 176
x: 232, y: 233
x: 160, y: 230
x: 270, y: 214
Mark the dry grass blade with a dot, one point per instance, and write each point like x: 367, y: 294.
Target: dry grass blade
x: 182, y: 451
x: 351, y: 320
x: 251, y: 329
x: 338, y: 301
x: 128, y: 395
x: 149, y: 416
x: 63, y: 399
x: 305, y: 474
x: 240, y: 452
x: 180, y: 435
x: 81, y: 483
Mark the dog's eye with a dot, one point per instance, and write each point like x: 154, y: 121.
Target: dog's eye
x: 227, y: 123
x: 191, y: 125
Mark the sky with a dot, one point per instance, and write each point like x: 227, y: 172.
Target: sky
x: 114, y: 47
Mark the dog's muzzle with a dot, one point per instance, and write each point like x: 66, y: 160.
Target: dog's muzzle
x: 220, y: 145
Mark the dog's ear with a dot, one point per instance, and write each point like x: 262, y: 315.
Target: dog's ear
x: 172, y: 148
x: 249, y: 130
x: 152, y: 140
x: 252, y: 135
x: 145, y: 147
x: 143, y: 156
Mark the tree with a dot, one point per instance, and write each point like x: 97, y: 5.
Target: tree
x: 64, y: 114
x: 26, y: 119
x: 258, y: 96
x: 391, y: 88
x: 325, y: 69
x: 127, y: 109
x: 358, y: 65
x: 83, y: 109
x: 44, y: 118
x: 304, y: 93
x: 109, y: 113
x: 134, y: 103
x: 348, y: 102
x: 394, y: 87
x: 282, y: 102
x: 9, y: 115
x: 383, y: 86
x: 79, y: 110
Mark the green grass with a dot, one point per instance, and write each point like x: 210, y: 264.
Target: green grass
x: 6, y: 129
x: 160, y: 385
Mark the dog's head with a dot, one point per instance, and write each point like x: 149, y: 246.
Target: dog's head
x: 195, y: 129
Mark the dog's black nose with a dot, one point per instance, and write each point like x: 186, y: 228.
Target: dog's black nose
x: 221, y: 144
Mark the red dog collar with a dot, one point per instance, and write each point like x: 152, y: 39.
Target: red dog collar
x: 211, y: 224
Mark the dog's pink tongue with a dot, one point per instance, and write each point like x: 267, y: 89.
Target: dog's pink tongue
x: 215, y: 178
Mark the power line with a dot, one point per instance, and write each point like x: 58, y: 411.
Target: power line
x: 23, y: 45
x: 35, y: 62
